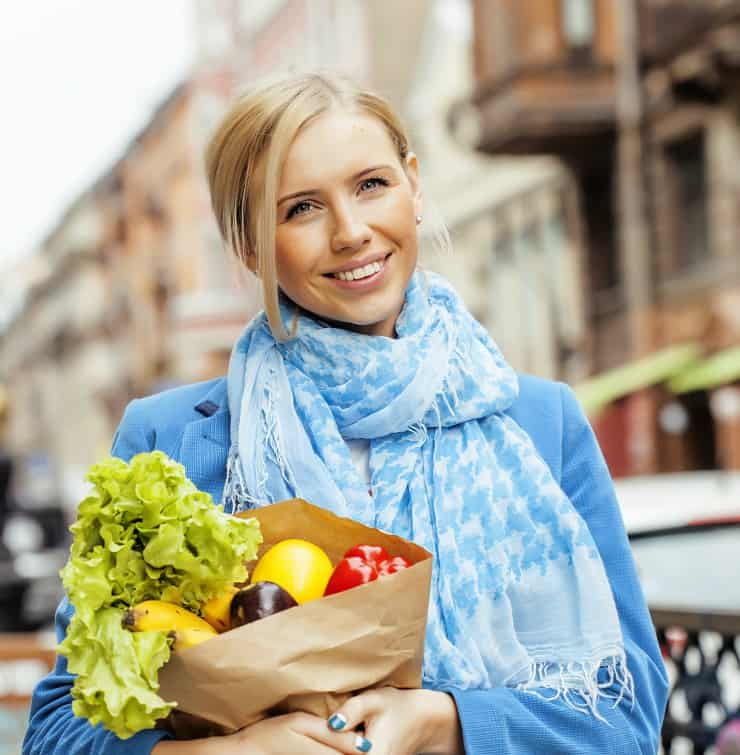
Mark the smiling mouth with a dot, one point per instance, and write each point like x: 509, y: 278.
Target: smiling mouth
x: 364, y: 271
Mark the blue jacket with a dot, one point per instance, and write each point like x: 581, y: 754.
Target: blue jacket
x: 191, y: 424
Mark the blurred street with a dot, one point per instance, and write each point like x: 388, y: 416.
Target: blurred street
x: 584, y: 156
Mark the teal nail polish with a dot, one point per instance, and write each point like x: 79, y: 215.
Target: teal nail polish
x: 362, y: 744
x: 338, y: 722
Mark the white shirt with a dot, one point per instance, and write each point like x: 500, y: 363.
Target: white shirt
x: 360, y: 452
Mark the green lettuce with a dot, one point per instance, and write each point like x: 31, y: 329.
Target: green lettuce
x: 145, y: 532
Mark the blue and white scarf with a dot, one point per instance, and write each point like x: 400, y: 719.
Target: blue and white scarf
x: 519, y: 593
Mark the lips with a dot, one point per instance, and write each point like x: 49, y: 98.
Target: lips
x: 370, y: 276
x: 361, y: 272
x: 360, y: 263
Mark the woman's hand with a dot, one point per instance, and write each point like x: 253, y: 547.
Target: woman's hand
x: 294, y: 733
x: 403, y: 722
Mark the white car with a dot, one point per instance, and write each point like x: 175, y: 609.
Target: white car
x: 685, y: 536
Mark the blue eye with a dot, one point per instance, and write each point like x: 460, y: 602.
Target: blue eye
x: 299, y: 209
x: 372, y: 183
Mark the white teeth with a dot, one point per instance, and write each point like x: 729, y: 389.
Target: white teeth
x: 360, y: 272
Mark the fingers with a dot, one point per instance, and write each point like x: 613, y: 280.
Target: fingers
x: 357, y: 710
x: 347, y: 742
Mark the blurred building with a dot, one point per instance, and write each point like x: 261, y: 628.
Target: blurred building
x: 91, y: 331
x: 641, y: 100
x: 517, y: 256
x: 132, y: 291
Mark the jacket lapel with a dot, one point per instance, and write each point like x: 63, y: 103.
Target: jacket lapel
x: 205, y: 443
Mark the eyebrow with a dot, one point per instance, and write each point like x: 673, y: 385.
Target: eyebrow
x: 305, y: 192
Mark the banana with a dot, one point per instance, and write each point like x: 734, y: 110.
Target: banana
x: 216, y: 611
x: 158, y: 615
x: 188, y: 637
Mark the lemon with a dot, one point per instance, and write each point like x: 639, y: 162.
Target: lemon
x: 300, y: 567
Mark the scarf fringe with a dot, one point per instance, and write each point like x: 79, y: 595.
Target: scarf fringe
x: 236, y: 496
x: 577, y: 685
x: 418, y: 433
x: 449, y: 397
x: 271, y: 429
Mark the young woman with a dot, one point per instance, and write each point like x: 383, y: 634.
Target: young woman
x: 366, y: 387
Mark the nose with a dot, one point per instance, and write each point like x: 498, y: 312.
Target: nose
x: 351, y: 232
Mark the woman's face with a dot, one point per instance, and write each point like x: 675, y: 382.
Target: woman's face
x: 346, y: 243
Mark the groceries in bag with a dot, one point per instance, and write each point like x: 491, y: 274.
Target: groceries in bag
x: 160, y: 581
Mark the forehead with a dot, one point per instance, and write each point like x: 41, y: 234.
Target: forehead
x: 333, y: 146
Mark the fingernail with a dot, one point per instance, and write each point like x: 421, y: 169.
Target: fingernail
x: 338, y: 722
x: 362, y: 744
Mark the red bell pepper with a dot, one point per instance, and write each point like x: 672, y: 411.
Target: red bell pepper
x: 350, y: 572
x: 362, y: 564
x: 392, y: 565
x: 373, y: 554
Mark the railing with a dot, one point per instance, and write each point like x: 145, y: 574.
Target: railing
x: 701, y: 654
x: 24, y: 660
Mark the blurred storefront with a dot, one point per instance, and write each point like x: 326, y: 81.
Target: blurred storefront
x: 640, y: 100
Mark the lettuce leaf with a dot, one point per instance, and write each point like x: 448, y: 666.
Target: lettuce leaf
x: 116, y: 683
x: 145, y: 532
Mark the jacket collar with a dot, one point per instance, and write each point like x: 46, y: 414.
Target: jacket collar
x: 212, y: 412
x: 205, y: 440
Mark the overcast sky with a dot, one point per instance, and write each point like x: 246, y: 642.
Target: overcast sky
x: 78, y: 78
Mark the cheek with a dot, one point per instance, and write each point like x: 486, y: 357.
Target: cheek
x: 405, y: 221
x: 285, y: 262
x: 408, y: 235
x: 295, y: 254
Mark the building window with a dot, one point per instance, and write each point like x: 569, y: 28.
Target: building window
x: 686, y: 173
x: 598, y: 211
x: 578, y: 27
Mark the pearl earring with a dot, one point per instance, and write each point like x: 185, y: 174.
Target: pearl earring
x: 418, y: 220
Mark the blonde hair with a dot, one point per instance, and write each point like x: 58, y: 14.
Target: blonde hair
x: 246, y: 153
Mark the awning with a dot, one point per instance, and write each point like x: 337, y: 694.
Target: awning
x: 719, y: 369
x: 600, y: 390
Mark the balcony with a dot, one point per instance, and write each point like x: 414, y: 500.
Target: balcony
x: 671, y: 27
x: 548, y: 85
x: 542, y: 109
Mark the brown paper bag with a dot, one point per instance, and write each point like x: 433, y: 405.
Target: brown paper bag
x: 313, y: 656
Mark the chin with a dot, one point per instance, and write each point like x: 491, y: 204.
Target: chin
x: 376, y: 318
x: 354, y: 324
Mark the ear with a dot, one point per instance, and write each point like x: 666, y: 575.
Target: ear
x: 412, y: 171
x: 251, y: 263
